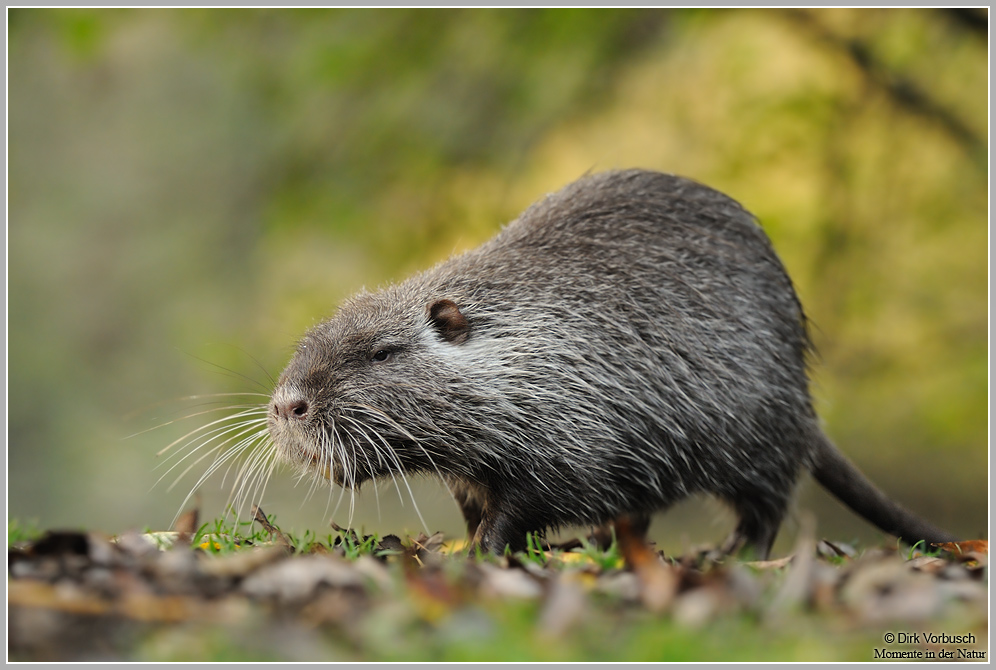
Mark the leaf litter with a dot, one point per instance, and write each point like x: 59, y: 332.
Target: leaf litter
x: 192, y: 595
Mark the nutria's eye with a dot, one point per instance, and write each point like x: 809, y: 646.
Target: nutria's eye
x: 382, y: 356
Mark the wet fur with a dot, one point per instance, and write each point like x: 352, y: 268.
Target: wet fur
x: 628, y: 341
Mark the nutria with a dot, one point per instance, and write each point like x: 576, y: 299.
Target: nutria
x: 626, y: 342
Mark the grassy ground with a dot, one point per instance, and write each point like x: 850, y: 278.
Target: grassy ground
x: 214, y: 594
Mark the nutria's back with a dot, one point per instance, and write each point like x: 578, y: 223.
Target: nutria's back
x: 627, y: 341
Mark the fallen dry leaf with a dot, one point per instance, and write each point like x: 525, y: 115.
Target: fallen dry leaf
x: 73, y: 596
x: 829, y: 549
x: 966, y: 547
x: 772, y: 564
x: 186, y: 524
x: 260, y: 517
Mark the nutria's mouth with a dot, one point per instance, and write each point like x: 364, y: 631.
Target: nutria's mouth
x: 324, y: 470
x: 298, y: 453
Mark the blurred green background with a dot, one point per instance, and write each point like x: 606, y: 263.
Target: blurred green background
x: 189, y: 190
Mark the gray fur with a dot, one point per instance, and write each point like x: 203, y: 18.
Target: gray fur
x: 628, y: 341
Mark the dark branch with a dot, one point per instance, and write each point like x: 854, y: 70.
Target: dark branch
x: 903, y: 91
x: 976, y: 20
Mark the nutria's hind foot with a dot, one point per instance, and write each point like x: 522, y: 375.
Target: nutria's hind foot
x: 755, y: 532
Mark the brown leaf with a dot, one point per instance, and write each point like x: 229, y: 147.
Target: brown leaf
x: 773, y: 564
x: 425, y: 549
x: 966, y: 547
x: 274, y: 532
x: 431, y: 543
x: 828, y: 549
x: 186, y: 525
x: 239, y: 564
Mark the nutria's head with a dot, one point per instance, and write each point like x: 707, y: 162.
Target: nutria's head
x: 361, y: 397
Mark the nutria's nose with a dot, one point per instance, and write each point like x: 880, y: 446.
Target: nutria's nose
x: 290, y: 409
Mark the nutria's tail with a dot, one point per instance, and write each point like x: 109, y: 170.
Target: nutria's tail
x: 843, y: 479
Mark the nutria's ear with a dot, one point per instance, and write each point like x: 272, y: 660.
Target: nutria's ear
x: 451, y: 324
